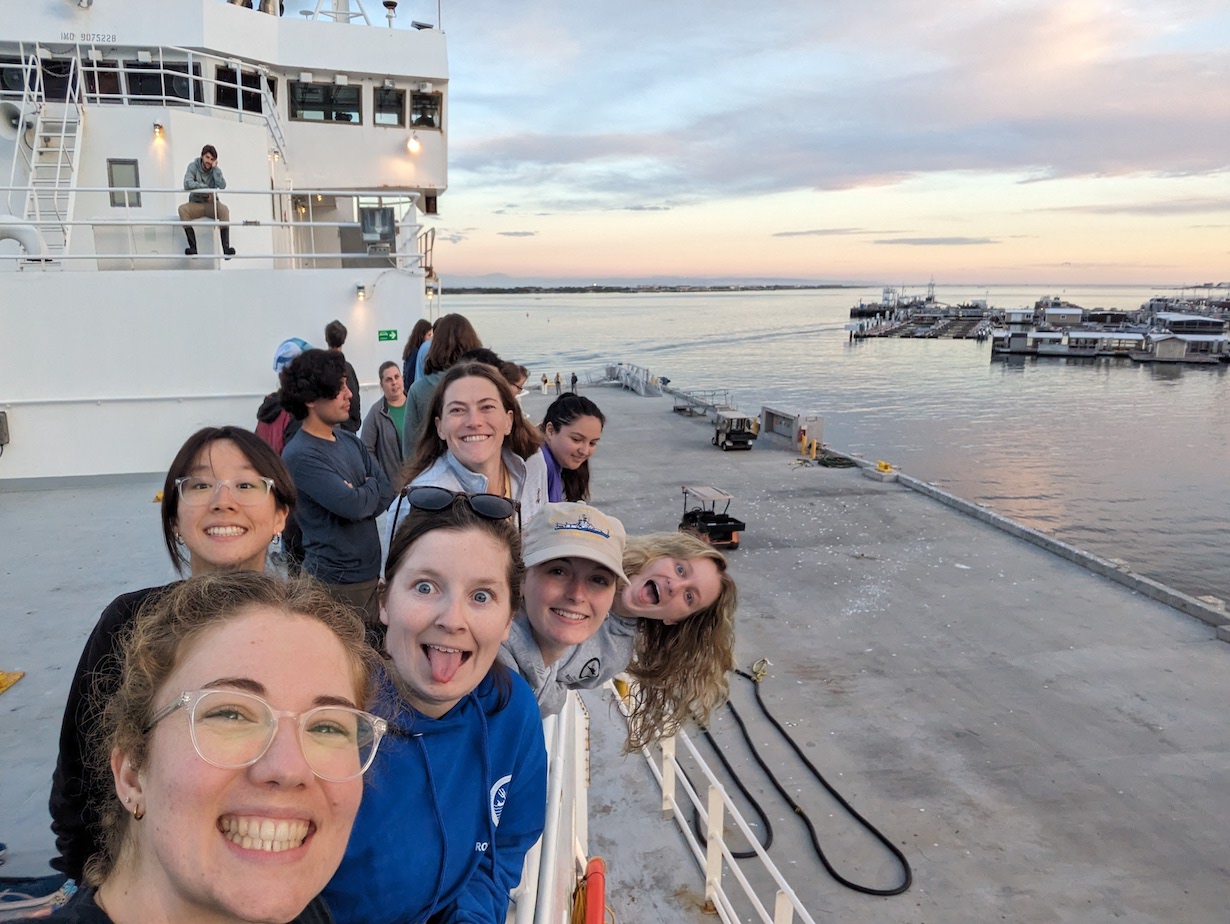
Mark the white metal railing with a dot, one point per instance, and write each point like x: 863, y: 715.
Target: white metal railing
x: 293, y: 216
x: 715, y: 857
x: 637, y: 378
x: 554, y: 864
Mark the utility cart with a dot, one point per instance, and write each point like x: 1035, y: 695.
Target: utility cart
x: 732, y: 430
x: 701, y: 516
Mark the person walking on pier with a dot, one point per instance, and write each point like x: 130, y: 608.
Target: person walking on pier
x: 559, y: 385
x: 202, y: 177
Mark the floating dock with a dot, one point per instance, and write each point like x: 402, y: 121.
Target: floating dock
x: 1045, y: 744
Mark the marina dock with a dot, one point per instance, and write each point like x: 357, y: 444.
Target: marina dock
x: 1044, y: 744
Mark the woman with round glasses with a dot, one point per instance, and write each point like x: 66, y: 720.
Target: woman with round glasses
x: 457, y: 794
x: 235, y: 742
x: 225, y: 499
x: 481, y: 442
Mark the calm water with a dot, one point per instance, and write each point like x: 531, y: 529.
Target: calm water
x: 1128, y: 460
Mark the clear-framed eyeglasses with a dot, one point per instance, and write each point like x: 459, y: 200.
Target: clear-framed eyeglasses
x: 231, y: 730
x: 195, y: 491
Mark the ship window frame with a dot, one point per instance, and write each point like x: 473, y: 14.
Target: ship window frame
x: 377, y: 112
x: 127, y: 195
x: 436, y: 105
x: 11, y: 64
x: 244, y: 86
x: 329, y: 93
x: 102, y: 81
x: 161, y: 91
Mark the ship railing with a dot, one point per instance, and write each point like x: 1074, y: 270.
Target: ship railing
x: 635, y: 378
x: 160, y: 76
x: 296, y: 229
x: 715, y: 857
x: 553, y: 865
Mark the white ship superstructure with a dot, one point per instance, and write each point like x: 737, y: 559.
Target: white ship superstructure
x: 331, y: 129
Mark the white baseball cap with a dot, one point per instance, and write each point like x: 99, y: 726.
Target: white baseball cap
x: 568, y: 530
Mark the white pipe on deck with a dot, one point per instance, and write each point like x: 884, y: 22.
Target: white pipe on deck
x: 29, y: 237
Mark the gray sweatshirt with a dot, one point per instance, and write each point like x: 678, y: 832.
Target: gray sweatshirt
x: 585, y: 667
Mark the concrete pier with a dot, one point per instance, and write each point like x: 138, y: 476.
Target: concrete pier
x: 1043, y: 743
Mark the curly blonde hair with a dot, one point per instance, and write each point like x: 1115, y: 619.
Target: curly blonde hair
x: 155, y: 643
x: 681, y: 670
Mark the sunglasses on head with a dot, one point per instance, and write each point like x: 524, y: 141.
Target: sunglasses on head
x: 488, y: 506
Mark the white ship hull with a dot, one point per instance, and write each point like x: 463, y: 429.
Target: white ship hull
x: 115, y: 345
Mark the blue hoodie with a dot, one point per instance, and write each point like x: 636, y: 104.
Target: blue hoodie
x: 450, y: 808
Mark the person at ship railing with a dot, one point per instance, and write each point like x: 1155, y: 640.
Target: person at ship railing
x: 478, y: 441
x: 218, y: 809
x: 342, y: 489
x: 202, y: 178
x: 225, y: 499
x: 571, y: 430
x: 671, y: 627
x: 457, y: 794
x: 574, y: 564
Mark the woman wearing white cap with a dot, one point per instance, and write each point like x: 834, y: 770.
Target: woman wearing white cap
x: 574, y: 564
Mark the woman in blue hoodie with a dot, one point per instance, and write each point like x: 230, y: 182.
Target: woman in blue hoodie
x: 457, y: 794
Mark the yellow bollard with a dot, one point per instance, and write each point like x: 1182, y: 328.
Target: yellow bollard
x: 814, y: 445
x: 882, y: 466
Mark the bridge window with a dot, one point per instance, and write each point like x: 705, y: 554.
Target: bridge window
x: 123, y: 178
x: 163, y: 83
x: 425, y: 109
x: 390, y: 107
x: 325, y: 102
x: 227, y: 92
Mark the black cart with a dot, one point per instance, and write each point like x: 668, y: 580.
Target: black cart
x: 701, y: 516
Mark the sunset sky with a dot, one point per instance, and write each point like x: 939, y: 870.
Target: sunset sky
x: 1060, y: 141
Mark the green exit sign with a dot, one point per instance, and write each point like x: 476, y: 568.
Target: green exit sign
x: 387, y: 335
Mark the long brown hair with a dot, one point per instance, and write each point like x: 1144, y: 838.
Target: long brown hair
x: 524, y: 439
x: 452, y: 335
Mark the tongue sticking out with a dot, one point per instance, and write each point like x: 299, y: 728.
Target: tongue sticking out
x: 444, y: 663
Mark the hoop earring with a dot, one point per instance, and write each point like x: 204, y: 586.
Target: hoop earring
x: 138, y: 813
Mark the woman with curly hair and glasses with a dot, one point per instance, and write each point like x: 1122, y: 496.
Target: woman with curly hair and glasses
x: 225, y: 499
x: 218, y: 809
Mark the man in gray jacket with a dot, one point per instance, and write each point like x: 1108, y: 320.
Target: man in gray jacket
x: 202, y: 177
x: 383, y: 426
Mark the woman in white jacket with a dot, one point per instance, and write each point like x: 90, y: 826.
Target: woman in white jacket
x: 479, y: 442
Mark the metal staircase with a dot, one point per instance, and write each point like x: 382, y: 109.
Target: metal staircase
x: 51, y: 192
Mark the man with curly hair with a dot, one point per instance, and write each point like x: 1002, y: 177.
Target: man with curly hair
x: 342, y: 489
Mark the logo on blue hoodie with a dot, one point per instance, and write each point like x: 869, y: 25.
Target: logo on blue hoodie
x: 499, y: 795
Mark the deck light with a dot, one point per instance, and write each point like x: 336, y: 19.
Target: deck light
x: 158, y: 129
x: 413, y: 145
x: 361, y: 291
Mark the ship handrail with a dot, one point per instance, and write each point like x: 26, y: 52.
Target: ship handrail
x: 716, y: 858
x: 287, y: 211
x: 555, y: 864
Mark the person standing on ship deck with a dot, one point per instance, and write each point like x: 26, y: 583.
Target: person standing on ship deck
x: 335, y: 337
x: 342, y: 489
x: 205, y: 174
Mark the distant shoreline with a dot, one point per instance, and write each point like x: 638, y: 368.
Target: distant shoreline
x: 580, y: 290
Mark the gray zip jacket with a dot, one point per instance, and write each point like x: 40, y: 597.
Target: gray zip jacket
x: 196, y: 177
x: 382, y: 440
x: 586, y: 667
